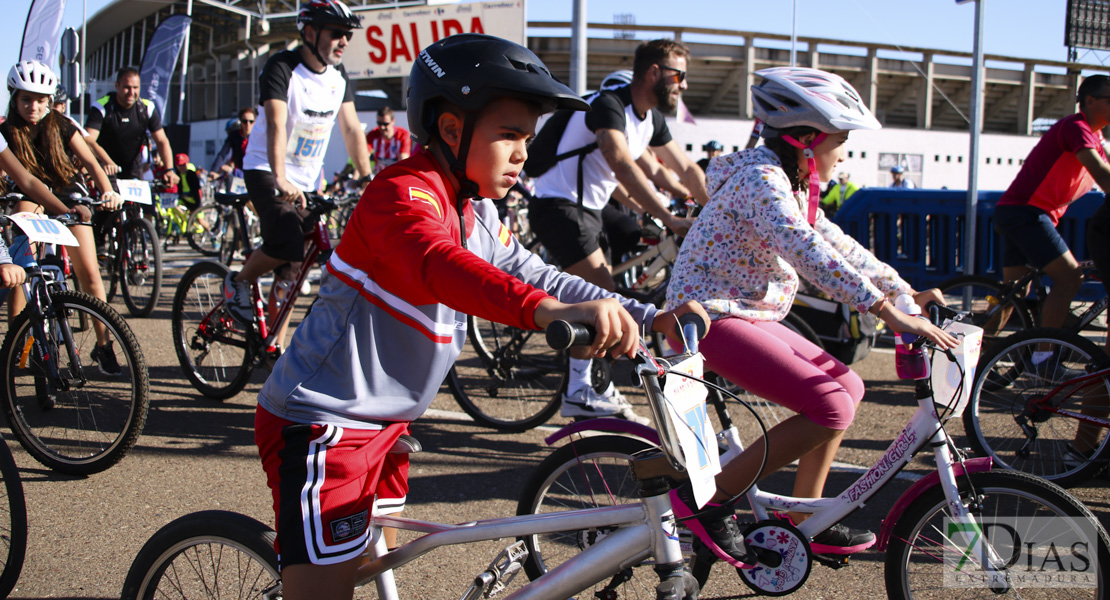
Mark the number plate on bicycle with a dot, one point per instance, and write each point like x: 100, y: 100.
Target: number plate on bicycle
x: 686, y: 400
x: 41, y: 228
x: 167, y: 200
x: 135, y: 190
x: 949, y: 376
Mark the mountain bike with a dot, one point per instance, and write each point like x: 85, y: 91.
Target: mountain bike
x: 171, y: 216
x: 132, y: 256
x: 65, y: 411
x: 591, y: 471
x: 217, y: 353
x: 1048, y: 418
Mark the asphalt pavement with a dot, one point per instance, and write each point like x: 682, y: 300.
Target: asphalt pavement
x: 198, y: 454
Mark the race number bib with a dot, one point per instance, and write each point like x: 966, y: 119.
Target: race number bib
x: 238, y: 186
x: 167, y: 200
x: 135, y: 190
x: 41, y: 228
x: 686, y: 401
x: 307, y: 143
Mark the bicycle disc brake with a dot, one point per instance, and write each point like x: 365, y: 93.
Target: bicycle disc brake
x: 797, y: 560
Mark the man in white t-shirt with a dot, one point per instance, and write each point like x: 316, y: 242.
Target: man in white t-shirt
x: 303, y: 93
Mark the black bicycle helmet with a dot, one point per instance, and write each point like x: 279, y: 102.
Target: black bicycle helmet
x: 470, y: 70
x: 327, y: 12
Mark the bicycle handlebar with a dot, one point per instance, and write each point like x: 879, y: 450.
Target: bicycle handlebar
x: 561, y: 335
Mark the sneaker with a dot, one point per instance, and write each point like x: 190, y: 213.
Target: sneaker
x: 715, y: 526
x: 237, y: 299
x: 105, y: 358
x: 586, y: 403
x: 838, y: 539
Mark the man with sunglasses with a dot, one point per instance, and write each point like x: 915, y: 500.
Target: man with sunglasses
x: 566, y: 214
x: 387, y: 142
x: 304, y: 92
x: 1065, y: 164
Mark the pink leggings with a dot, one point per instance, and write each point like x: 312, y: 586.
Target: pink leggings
x: 771, y: 361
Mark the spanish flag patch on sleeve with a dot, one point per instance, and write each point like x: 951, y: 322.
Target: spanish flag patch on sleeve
x: 504, y: 235
x: 419, y: 195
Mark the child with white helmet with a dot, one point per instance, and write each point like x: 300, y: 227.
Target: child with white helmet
x: 42, y: 139
x: 742, y: 260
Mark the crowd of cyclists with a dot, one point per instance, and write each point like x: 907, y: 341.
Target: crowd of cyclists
x: 425, y: 247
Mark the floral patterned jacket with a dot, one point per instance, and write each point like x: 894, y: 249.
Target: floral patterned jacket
x: 743, y: 255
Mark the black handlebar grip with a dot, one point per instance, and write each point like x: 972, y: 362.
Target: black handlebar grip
x: 562, y: 335
x: 695, y: 320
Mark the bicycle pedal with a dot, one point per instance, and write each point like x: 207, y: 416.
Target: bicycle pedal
x: 508, y: 563
x: 832, y: 560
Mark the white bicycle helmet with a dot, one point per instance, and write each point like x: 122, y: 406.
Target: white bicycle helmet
x: 32, y: 76
x: 796, y: 96
x: 616, y: 79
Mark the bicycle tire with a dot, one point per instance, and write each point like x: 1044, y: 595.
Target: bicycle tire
x: 76, y: 427
x: 207, y: 554
x: 1005, y: 384
x: 13, y: 522
x: 590, y: 472
x: 986, y: 293
x: 337, y: 221
x: 141, y: 273
x: 515, y: 381
x: 915, y: 558
x: 225, y: 352
x: 206, y: 239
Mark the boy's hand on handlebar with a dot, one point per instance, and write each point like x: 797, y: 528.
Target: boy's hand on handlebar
x: 112, y: 201
x: 12, y: 275
x: 617, y: 332
x: 82, y: 212
x: 923, y: 299
x: 666, y: 323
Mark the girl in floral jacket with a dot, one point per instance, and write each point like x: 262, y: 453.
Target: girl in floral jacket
x: 742, y: 259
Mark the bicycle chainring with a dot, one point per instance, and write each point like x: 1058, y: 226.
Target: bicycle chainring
x: 797, y: 559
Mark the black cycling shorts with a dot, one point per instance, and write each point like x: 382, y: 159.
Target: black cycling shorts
x: 283, y: 225
x: 569, y: 233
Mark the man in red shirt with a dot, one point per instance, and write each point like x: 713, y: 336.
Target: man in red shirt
x: 387, y: 142
x: 1064, y: 165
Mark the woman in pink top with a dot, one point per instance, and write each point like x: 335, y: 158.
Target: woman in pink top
x: 741, y: 260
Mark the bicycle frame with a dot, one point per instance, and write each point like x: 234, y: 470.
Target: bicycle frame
x: 1053, y: 401
x: 659, y: 256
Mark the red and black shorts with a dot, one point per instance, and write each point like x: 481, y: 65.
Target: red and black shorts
x: 326, y: 482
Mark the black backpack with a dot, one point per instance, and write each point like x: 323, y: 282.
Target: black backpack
x: 542, y: 151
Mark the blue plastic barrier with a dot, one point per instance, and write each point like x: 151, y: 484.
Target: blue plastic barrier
x: 921, y: 232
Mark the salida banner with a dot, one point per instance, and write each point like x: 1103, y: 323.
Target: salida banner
x: 389, y: 40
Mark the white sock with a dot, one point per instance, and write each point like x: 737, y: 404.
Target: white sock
x: 1039, y: 356
x: 578, y: 376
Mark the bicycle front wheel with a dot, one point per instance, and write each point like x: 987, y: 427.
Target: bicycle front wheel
x: 587, y: 473
x: 206, y: 555
x: 1020, y: 517
x: 514, y: 382
x: 13, y: 522
x: 204, y: 229
x: 67, y: 412
x: 1001, y: 424
x: 215, y: 352
x: 141, y: 267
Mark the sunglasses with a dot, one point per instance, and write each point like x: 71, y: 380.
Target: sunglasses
x: 384, y: 123
x: 679, y: 75
x: 340, y: 33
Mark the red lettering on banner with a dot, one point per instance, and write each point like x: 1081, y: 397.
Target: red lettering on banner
x: 398, y: 47
x: 435, y: 31
x: 377, y: 55
x: 451, y: 27
x: 415, y: 38
x: 476, y: 25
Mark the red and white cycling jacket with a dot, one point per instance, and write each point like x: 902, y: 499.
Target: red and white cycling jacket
x: 391, y: 318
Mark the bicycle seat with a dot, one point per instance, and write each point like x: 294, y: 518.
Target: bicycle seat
x: 233, y: 200
x: 406, y: 444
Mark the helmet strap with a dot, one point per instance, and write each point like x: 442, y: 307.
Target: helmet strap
x: 312, y: 47
x: 814, y: 177
x: 467, y: 188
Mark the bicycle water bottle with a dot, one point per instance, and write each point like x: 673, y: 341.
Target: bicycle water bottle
x: 909, y: 362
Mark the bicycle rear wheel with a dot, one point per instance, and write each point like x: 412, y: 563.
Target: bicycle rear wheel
x: 141, y: 273
x: 588, y: 473
x: 13, y: 522
x: 204, y: 229
x: 999, y: 425
x: 211, y: 554
x: 923, y: 551
x: 81, y: 421
x: 514, y: 382
x: 215, y: 352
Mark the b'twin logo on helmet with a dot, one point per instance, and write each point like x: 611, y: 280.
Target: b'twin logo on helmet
x: 432, y: 64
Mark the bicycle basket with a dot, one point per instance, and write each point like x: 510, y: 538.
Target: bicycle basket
x: 948, y: 377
